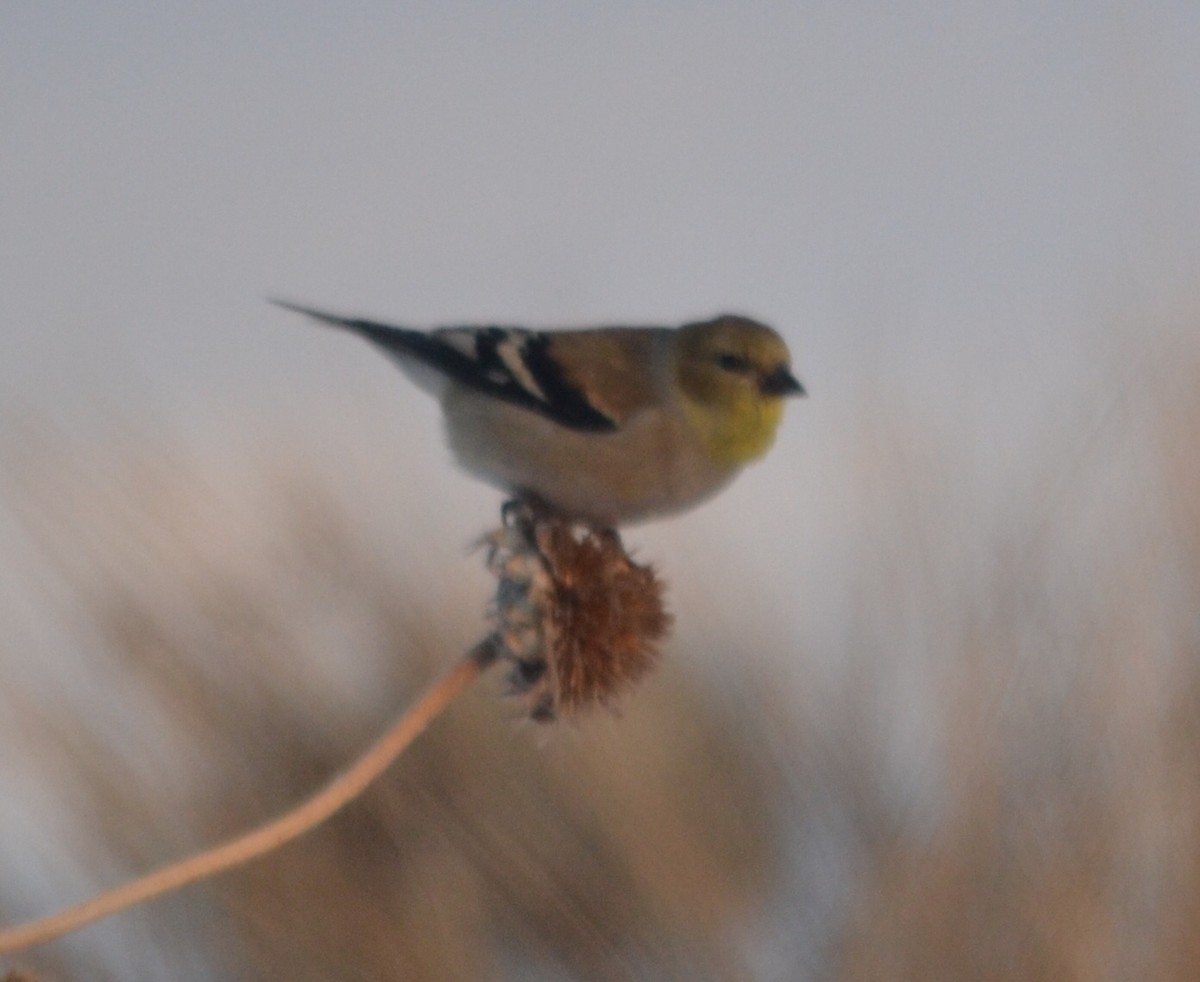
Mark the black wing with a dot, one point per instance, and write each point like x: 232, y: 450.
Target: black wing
x: 508, y: 363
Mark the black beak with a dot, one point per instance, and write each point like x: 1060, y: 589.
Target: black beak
x: 781, y: 382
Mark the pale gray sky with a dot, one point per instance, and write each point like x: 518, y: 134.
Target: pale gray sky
x: 913, y: 189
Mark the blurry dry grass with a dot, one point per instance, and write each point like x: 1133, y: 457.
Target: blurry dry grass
x: 1067, y: 843
x: 1052, y: 832
x: 603, y: 850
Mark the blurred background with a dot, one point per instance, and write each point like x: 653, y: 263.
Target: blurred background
x: 932, y: 704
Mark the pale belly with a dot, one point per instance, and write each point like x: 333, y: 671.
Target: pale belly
x: 647, y: 469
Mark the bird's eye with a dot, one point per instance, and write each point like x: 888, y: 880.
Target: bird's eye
x: 733, y: 363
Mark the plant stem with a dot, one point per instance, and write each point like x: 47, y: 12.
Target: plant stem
x: 259, y: 841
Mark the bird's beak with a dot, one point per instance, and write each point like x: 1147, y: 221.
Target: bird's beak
x: 781, y: 382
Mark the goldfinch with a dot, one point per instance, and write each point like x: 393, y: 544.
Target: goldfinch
x: 608, y: 426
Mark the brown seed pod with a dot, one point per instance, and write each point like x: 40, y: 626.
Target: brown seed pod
x: 579, y: 621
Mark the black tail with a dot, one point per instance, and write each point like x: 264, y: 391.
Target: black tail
x: 402, y: 344
x: 395, y: 340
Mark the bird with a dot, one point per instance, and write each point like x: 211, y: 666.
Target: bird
x: 607, y: 426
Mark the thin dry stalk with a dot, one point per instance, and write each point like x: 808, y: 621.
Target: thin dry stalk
x: 265, y: 838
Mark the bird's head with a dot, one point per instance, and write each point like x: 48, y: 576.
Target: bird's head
x: 734, y: 374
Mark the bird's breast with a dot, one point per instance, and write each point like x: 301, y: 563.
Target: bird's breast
x: 651, y: 466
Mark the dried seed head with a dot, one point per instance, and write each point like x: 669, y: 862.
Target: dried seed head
x: 579, y: 621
